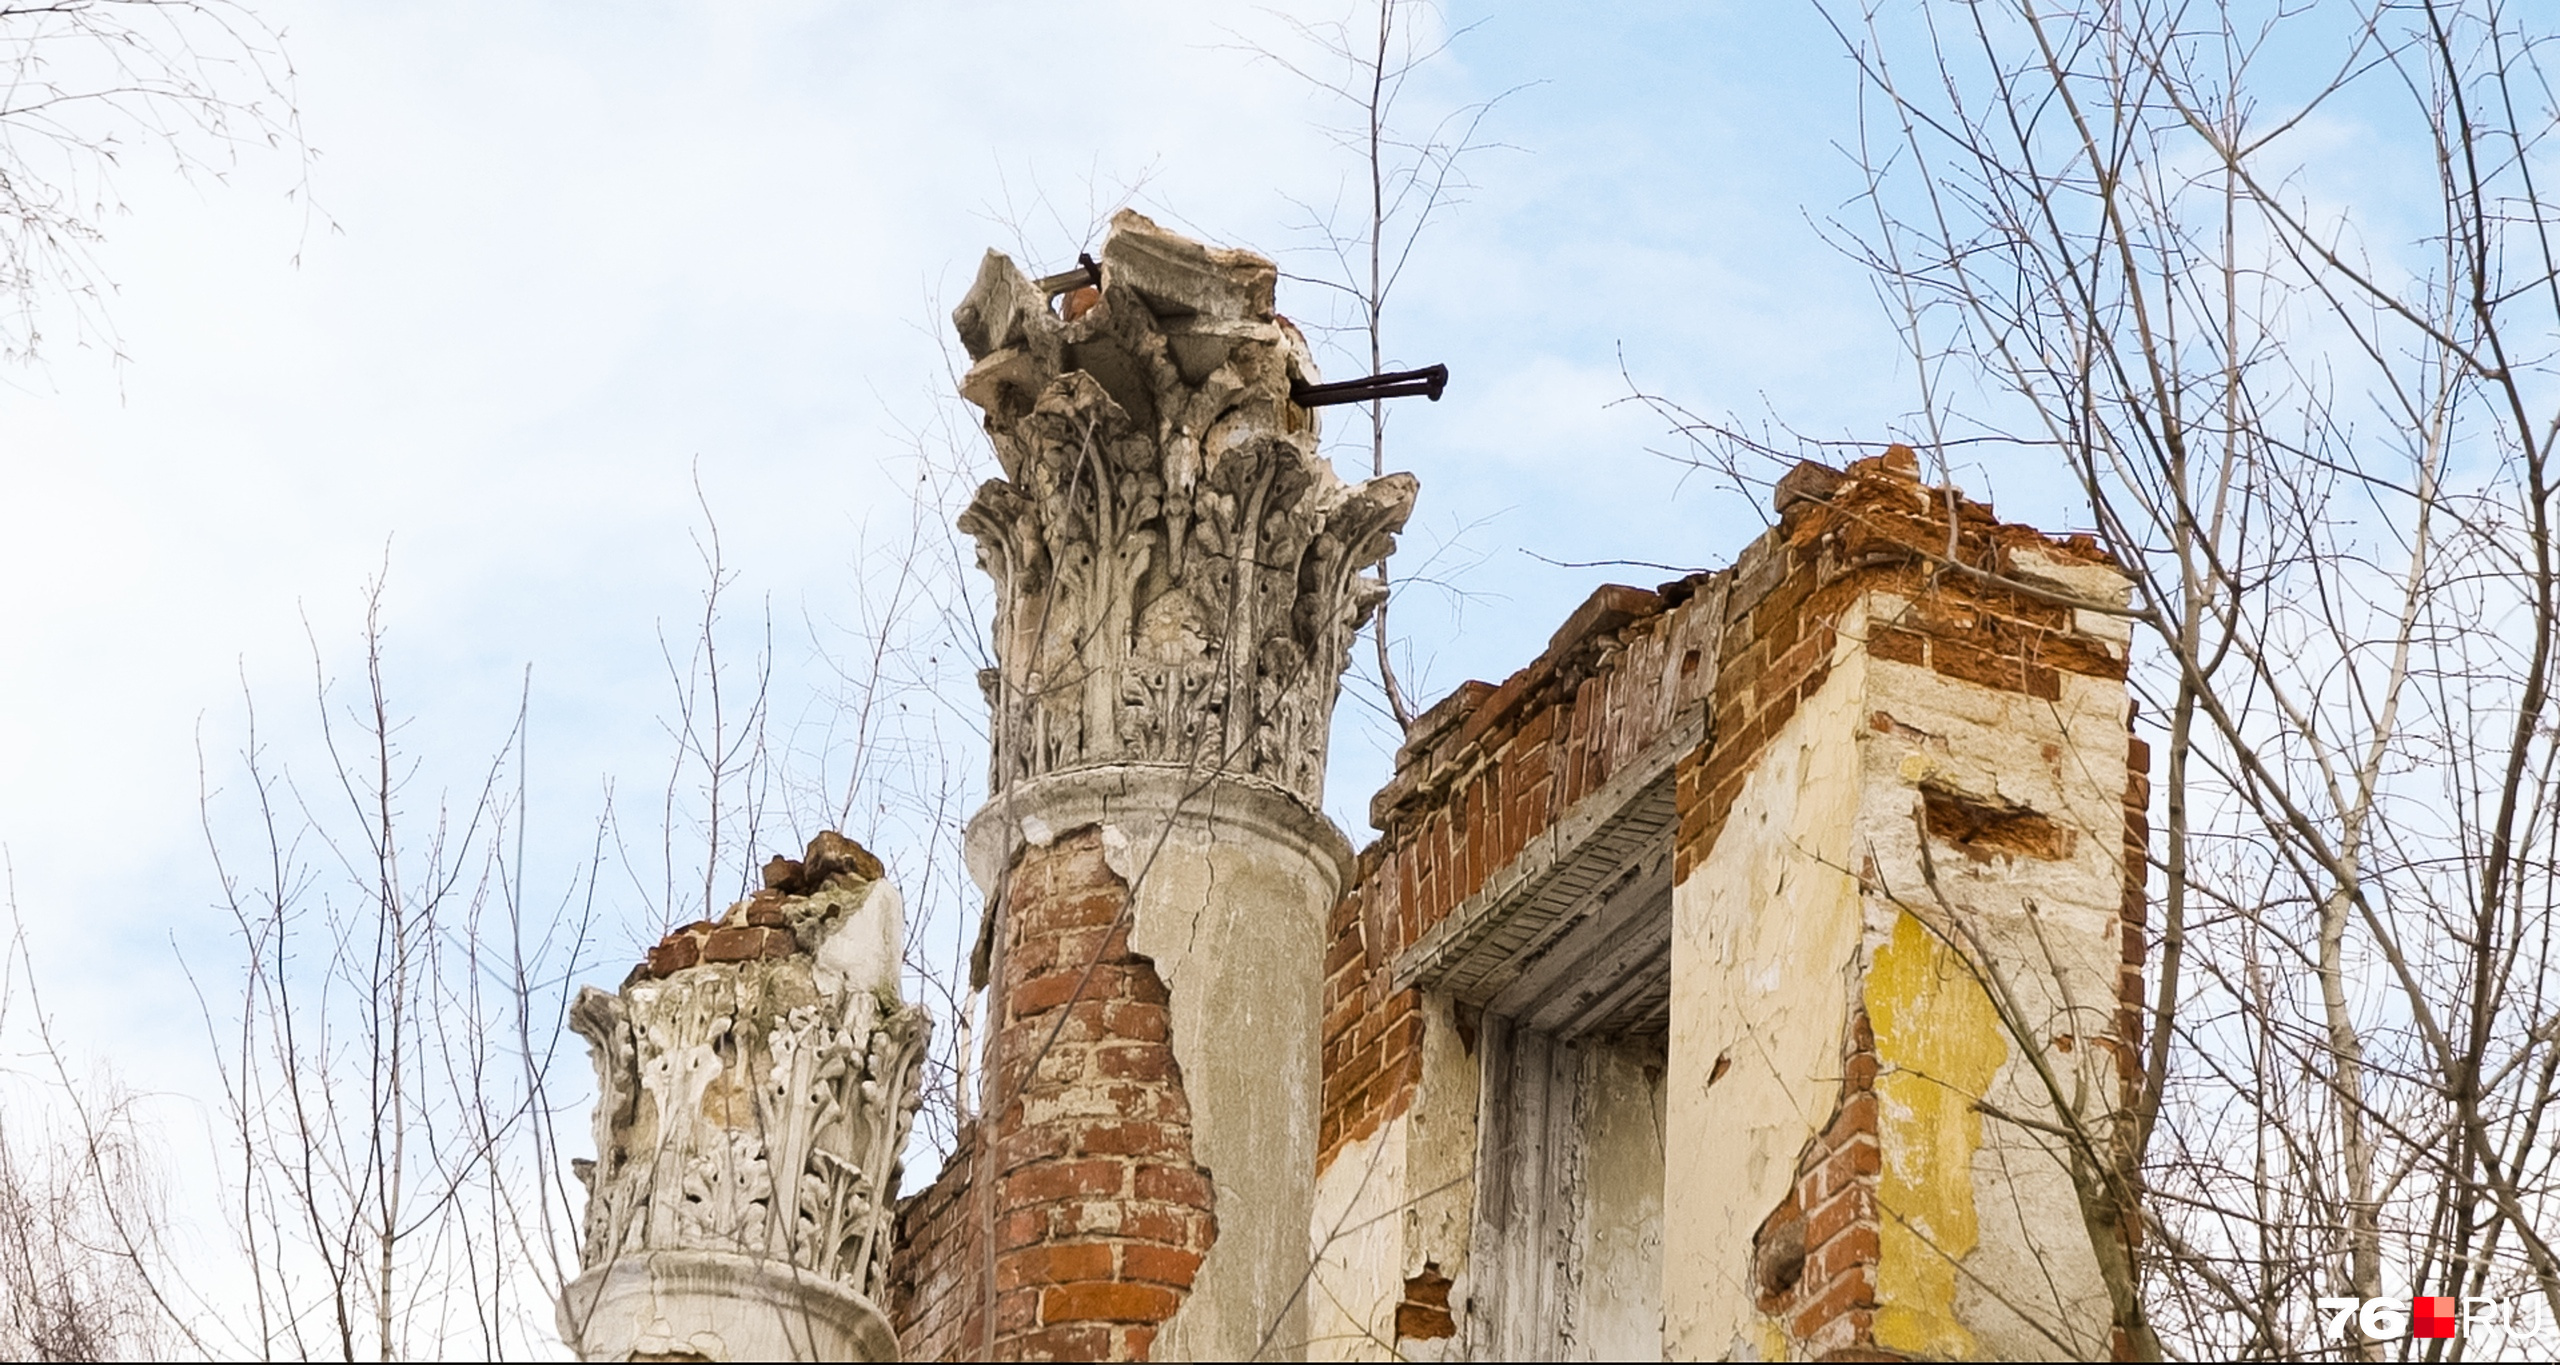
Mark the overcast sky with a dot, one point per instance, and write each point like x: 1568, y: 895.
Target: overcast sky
x: 570, y: 257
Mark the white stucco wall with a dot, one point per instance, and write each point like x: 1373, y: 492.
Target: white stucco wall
x: 1620, y: 1316
x: 2024, y: 1280
x: 1765, y: 932
x: 1394, y: 1202
x: 1984, y: 1251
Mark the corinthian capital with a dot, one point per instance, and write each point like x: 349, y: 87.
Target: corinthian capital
x: 1178, y: 572
x: 756, y: 1079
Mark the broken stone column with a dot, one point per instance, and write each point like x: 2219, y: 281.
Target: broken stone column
x: 755, y: 1078
x: 1178, y: 580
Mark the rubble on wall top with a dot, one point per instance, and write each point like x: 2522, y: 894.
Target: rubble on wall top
x: 1879, y: 507
x: 771, y: 923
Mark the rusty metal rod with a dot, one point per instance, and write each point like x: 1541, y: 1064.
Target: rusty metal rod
x: 1427, y: 381
x: 1086, y: 272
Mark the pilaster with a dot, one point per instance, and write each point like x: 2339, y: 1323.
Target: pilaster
x: 1900, y: 938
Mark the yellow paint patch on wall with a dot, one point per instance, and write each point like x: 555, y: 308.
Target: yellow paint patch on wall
x: 1938, y: 1043
x: 1769, y: 1336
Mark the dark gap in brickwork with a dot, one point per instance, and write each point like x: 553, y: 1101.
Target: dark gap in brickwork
x: 1983, y: 828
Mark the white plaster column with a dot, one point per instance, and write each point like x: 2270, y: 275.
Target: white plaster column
x: 1178, y: 580
x: 1231, y: 881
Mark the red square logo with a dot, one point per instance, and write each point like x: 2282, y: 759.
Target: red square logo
x: 2431, y: 1315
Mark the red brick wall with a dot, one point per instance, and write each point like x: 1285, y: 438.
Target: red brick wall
x: 2134, y: 925
x: 1815, y: 1256
x: 937, y: 1267
x: 1099, y: 1215
x: 2135, y: 916
x: 1480, y: 774
x: 1873, y: 528
x: 1488, y: 768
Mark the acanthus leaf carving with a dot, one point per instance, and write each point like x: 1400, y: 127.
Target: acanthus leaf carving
x: 1179, y: 574
x: 759, y: 1106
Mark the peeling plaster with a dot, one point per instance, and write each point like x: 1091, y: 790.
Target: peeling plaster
x: 1939, y: 1044
x: 1403, y: 1198
x: 1231, y: 879
x: 1773, y: 939
x: 1766, y: 931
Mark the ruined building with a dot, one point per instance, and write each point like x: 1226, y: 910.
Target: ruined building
x: 1753, y: 974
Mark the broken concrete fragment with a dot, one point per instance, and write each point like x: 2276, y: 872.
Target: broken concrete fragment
x: 1807, y: 482
x: 1180, y: 279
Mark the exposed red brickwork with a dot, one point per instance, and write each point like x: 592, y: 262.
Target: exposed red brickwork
x: 829, y: 855
x: 1490, y: 767
x: 1984, y: 828
x: 1480, y: 774
x: 752, y: 929
x: 1372, y: 1055
x: 2135, y: 920
x: 1083, y: 1169
x: 1874, y: 528
x: 756, y: 927
x: 1424, y: 1314
x: 1815, y: 1256
x: 938, y: 1266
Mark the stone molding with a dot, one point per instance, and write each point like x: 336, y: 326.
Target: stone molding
x: 712, y: 1305
x: 1177, y: 570
x: 1135, y: 800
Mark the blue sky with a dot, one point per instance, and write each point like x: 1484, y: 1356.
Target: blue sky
x: 572, y: 257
